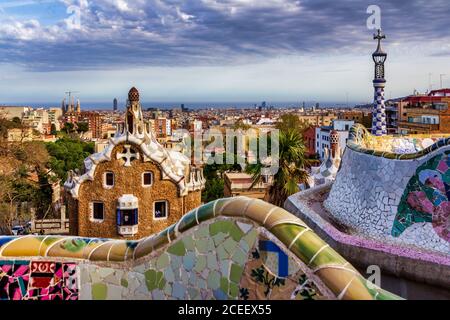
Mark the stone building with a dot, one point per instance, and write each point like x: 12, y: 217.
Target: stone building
x: 134, y: 187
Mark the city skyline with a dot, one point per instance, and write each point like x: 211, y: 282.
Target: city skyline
x: 209, y: 51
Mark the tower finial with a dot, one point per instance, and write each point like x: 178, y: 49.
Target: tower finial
x: 379, y: 36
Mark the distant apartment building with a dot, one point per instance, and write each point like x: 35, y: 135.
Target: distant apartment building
x: 358, y: 116
x: 332, y: 137
x: 424, y: 114
x: 54, y: 115
x: 318, y: 120
x: 95, y: 123
x: 11, y: 112
x: 309, y: 138
x: 239, y: 184
x: 163, y: 127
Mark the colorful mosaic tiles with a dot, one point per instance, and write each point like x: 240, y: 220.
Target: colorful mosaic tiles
x: 380, y: 195
x: 390, y: 147
x: 427, y: 198
x: 237, y: 248
x: 38, y: 280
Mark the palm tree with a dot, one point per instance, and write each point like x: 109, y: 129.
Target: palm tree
x: 291, y: 172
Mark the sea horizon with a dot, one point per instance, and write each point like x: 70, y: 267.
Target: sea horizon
x: 104, y: 106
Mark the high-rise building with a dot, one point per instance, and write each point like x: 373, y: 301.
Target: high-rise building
x: 379, y: 127
x: 115, y: 104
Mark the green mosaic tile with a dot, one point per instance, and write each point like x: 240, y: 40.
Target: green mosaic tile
x: 235, y: 232
x: 200, y: 263
x: 189, y: 243
x: 211, y: 245
x: 223, y: 226
x: 236, y: 273
x: 163, y: 261
x: 177, y: 249
x: 154, y: 280
x: 214, y: 280
x: 203, y: 232
x: 234, y: 290
x: 99, y: 291
x: 230, y: 246
x: 202, y: 246
x: 239, y: 256
x: 219, y: 238
x: 212, y: 262
x: 222, y: 253
x: 224, y: 284
x: 250, y: 238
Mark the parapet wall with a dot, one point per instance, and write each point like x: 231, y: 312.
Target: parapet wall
x: 398, y: 198
x: 237, y: 248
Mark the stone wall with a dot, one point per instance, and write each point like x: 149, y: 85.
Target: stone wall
x: 128, y: 181
x: 237, y: 249
x: 394, y: 200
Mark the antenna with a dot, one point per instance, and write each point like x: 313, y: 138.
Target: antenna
x: 70, y: 94
x: 441, y: 76
x: 430, y: 86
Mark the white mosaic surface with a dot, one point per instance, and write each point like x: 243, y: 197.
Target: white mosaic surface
x: 366, y: 195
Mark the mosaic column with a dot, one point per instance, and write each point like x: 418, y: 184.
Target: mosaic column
x: 379, y: 127
x: 379, y: 110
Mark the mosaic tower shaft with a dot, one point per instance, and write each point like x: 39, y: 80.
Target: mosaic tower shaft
x: 379, y: 127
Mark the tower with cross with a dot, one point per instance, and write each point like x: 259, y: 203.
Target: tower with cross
x: 379, y: 83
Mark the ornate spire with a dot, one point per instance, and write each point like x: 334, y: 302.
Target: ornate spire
x: 379, y: 56
x: 379, y: 82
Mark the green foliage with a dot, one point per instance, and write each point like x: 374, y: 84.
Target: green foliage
x: 68, y: 154
x: 53, y: 130
x: 289, y: 122
x: 292, y: 162
x: 241, y: 125
x: 69, y: 127
x: 213, y: 190
x: 213, y: 173
x: 82, y: 127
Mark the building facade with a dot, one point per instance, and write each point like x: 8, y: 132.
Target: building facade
x: 424, y: 114
x: 332, y: 137
x: 134, y: 187
x: 240, y: 184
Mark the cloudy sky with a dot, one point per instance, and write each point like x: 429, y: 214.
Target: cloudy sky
x: 217, y: 50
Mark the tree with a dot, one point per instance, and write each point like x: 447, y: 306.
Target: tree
x: 290, y: 122
x: 291, y: 171
x: 69, y: 127
x: 67, y: 154
x: 53, y: 131
x: 241, y: 125
x: 214, y: 189
x: 82, y: 127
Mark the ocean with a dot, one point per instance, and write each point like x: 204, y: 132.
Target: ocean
x: 190, y: 105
